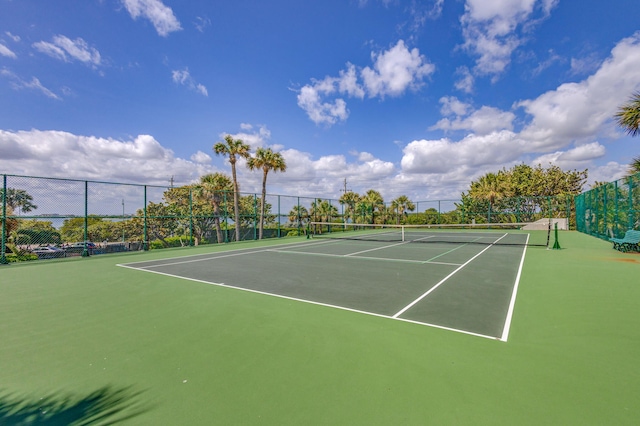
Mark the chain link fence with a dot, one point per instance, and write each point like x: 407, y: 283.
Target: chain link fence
x: 610, y: 210
x: 44, y: 218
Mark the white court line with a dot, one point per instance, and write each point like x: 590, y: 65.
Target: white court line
x: 374, y: 249
x: 379, y: 259
x: 403, y: 310
x: 512, y: 303
x: 213, y: 256
x: 313, y: 302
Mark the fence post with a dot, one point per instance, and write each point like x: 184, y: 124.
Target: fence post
x: 630, y: 212
x: 279, y: 217
x: 190, y: 216
x: 85, y: 252
x: 3, y: 248
x: 145, y: 236
x: 255, y: 214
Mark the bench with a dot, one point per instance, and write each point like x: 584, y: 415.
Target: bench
x: 630, y: 242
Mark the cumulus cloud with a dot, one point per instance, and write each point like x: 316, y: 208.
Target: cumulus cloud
x: 184, y: 78
x: 580, y: 110
x: 394, y: 71
x: 67, y: 50
x: 65, y: 155
x: 579, y: 157
x: 201, y: 158
x: 481, y: 122
x: 160, y: 15
x: 560, y: 127
x: 492, y: 30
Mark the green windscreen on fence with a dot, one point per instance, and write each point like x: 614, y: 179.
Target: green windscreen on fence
x: 609, y: 210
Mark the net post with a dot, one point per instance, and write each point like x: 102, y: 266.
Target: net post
x: 556, y: 244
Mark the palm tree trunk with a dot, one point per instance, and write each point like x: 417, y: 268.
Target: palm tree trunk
x: 216, y: 221
x: 262, y: 203
x: 236, y: 204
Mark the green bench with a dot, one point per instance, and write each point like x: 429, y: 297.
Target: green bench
x: 630, y: 242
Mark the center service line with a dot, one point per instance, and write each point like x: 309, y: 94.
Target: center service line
x: 444, y: 279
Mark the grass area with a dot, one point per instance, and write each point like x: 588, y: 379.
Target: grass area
x: 86, y: 339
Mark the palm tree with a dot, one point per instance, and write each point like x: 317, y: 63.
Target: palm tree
x: 490, y: 187
x: 634, y: 167
x: 298, y: 215
x: 266, y: 160
x: 322, y: 211
x: 375, y: 201
x: 213, y: 187
x: 19, y: 199
x: 351, y: 199
x: 234, y: 149
x: 628, y: 115
x: 400, y: 205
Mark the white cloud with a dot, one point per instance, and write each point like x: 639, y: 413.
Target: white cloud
x: 482, y: 122
x: 310, y: 100
x: 580, y: 110
x: 579, y: 157
x: 452, y: 105
x: 65, y: 49
x: 466, y: 80
x: 472, y: 152
x: 394, y: 72
x: 160, y: 15
x: 201, y: 158
x: 65, y: 155
x: 12, y: 36
x: 202, y: 23
x: 560, y: 128
x: 490, y: 30
x: 5, y: 51
x: 184, y: 78
x: 34, y: 84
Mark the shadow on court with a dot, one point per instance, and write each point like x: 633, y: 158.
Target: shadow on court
x: 107, y: 405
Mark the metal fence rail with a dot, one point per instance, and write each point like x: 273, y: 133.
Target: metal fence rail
x: 49, y: 217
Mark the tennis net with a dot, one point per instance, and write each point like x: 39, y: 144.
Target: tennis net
x: 509, y: 234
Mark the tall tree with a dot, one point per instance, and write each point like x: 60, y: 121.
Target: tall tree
x: 213, y: 188
x: 19, y: 199
x: 628, y: 115
x: 298, y: 215
x: 634, y: 167
x: 350, y: 199
x: 402, y: 204
x: 491, y: 187
x: 234, y: 149
x: 266, y: 160
x: 375, y: 202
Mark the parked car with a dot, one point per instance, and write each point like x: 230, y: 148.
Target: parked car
x: 90, y: 245
x: 78, y: 248
x: 48, y: 252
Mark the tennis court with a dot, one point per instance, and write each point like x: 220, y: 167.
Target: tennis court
x: 88, y: 341
x: 462, y: 280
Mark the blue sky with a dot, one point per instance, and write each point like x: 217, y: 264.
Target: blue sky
x: 405, y: 97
